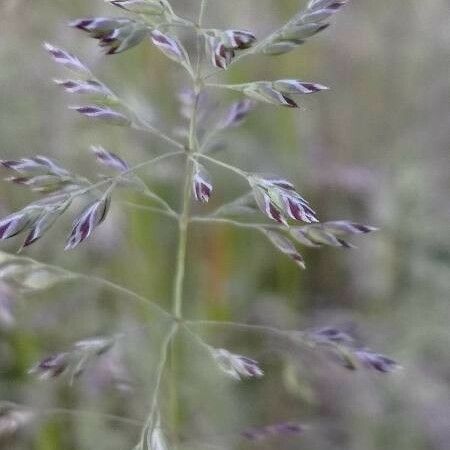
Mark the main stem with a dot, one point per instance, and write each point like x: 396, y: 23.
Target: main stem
x: 183, y: 224
x: 188, y: 175
x: 184, y: 218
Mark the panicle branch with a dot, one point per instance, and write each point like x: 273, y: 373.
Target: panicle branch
x: 47, y: 177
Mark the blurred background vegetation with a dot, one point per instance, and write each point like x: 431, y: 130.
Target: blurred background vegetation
x: 373, y: 149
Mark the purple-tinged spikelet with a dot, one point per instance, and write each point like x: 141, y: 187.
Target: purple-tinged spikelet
x: 237, y: 113
x: 51, y: 367
x: 90, y: 219
x: 170, y: 46
x: 236, y: 366
x: 284, y: 245
x: 66, y: 59
x: 375, y: 361
x: 202, y: 186
x: 103, y: 113
x: 110, y: 159
x: 14, y: 224
x: 277, y: 198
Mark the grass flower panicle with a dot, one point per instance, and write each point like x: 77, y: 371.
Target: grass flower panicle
x: 293, y: 220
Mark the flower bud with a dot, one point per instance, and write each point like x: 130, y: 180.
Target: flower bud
x: 280, y: 47
x: 103, y: 113
x: 89, y: 87
x: 239, y: 39
x: 44, y: 222
x: 298, y: 87
x: 222, y: 45
x: 110, y: 159
x: 377, y: 362
x: 285, y: 246
x: 14, y: 224
x: 298, y: 33
x: 66, y: 59
x: 237, y: 366
x: 220, y: 54
x: 90, y: 219
x: 39, y: 165
x: 170, y: 46
x: 276, y: 197
x: 51, y: 367
x: 331, y: 335
x: 320, y: 11
x: 267, y: 206
x: 116, y: 35
x: 202, y: 186
x: 305, y: 24
x: 263, y: 91
x: 329, y: 233
x: 237, y: 113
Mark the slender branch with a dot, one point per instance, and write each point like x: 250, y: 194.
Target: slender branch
x: 175, y: 25
x: 98, y: 280
x: 139, y: 123
x: 296, y: 337
x: 75, y: 413
x: 114, y: 181
x: 197, y: 338
x: 231, y: 87
x: 184, y: 218
x: 182, y: 243
x: 207, y: 139
x: 201, y: 14
x: 143, y: 125
x: 184, y: 221
x: 150, y: 194
x: 158, y: 379
x: 293, y: 336
x: 150, y: 161
x: 126, y: 291
x: 236, y: 223
x: 242, y: 201
x: 222, y: 164
x: 146, y: 190
x: 239, y: 325
x: 183, y: 224
x: 154, y: 209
